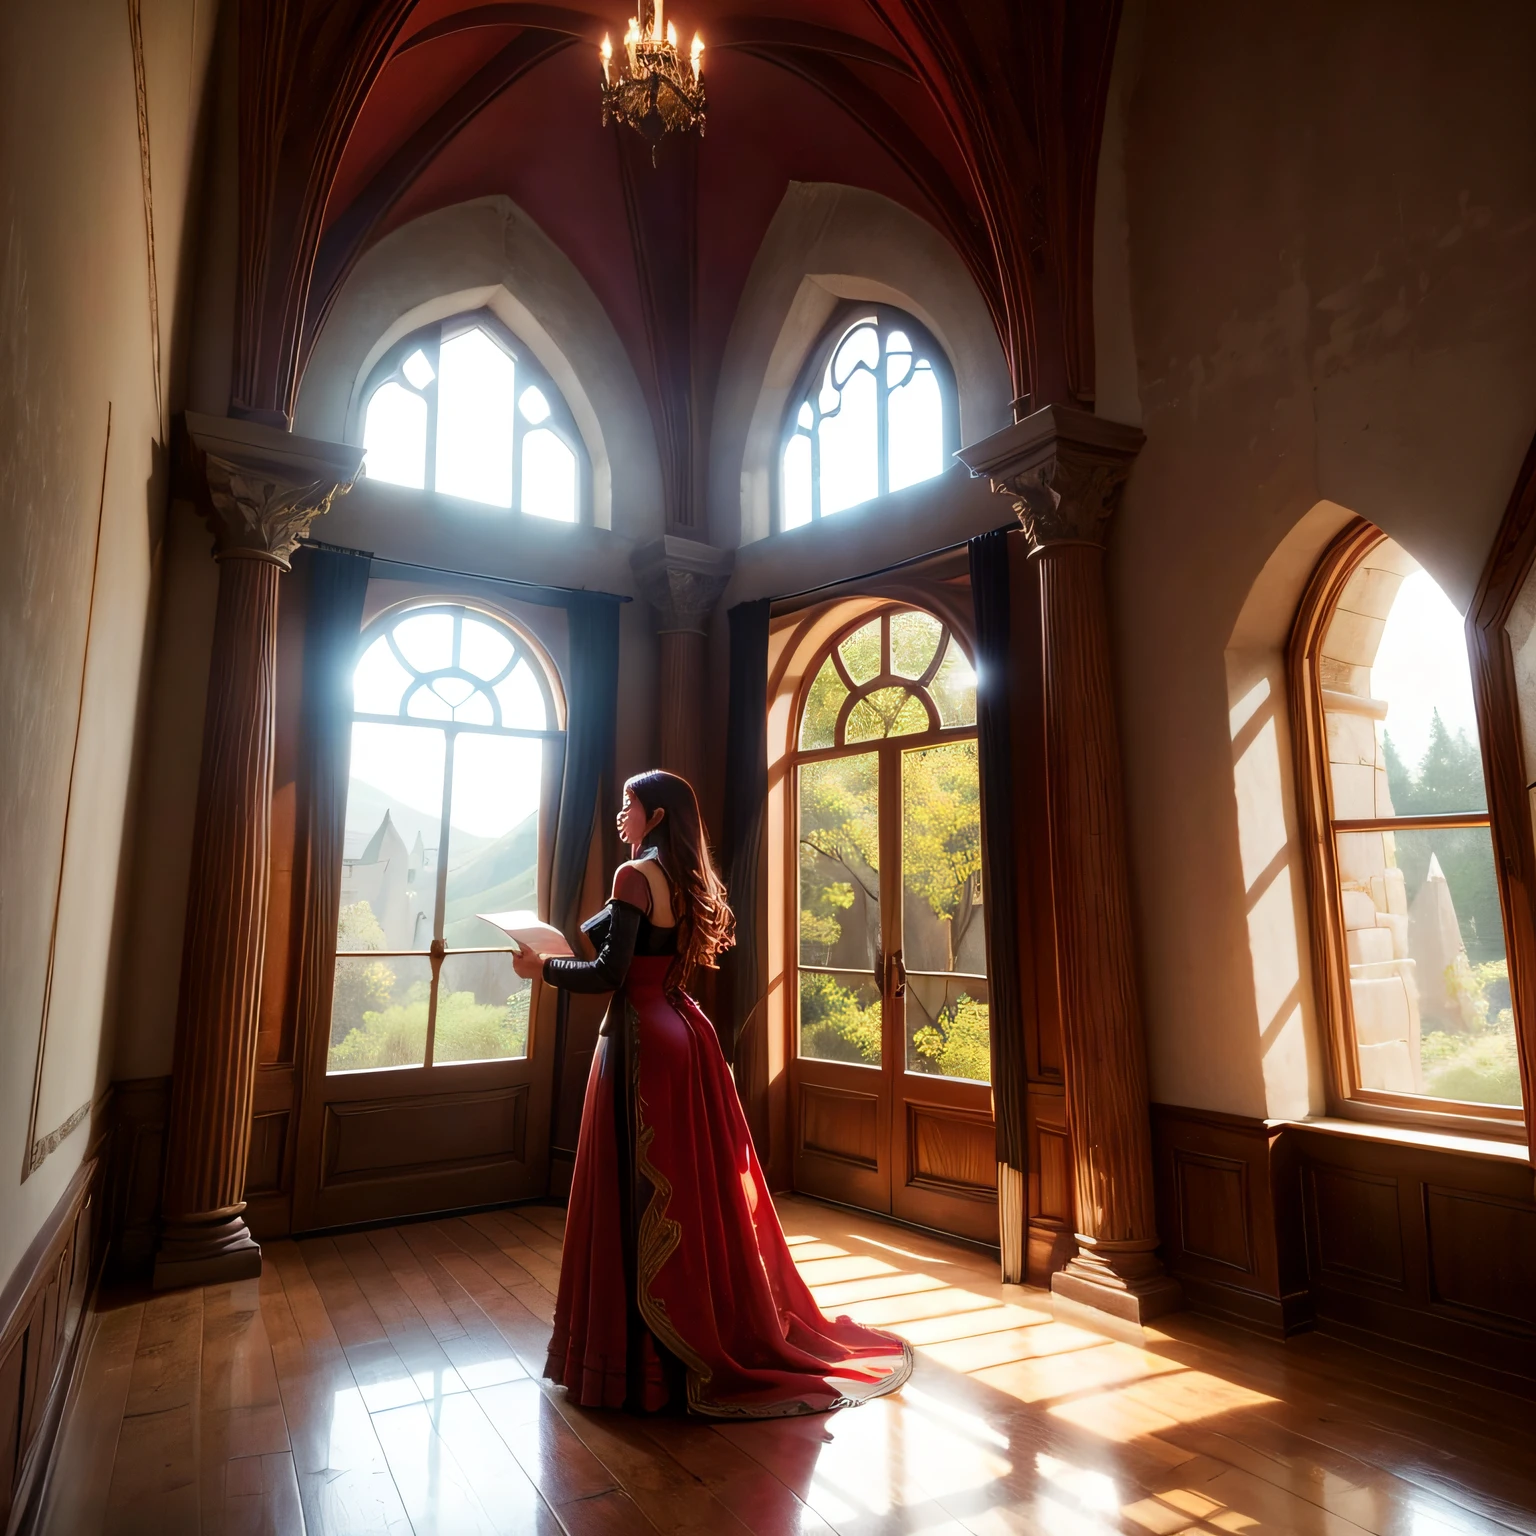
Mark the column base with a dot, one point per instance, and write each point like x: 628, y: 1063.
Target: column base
x: 206, y: 1252
x: 1125, y: 1281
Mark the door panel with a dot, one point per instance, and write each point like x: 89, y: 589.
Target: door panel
x: 426, y: 1151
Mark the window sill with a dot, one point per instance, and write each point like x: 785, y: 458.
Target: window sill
x: 1494, y: 1148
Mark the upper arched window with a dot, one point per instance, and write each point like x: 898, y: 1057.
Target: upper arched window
x: 876, y: 411
x: 1409, y: 932
x: 462, y: 407
x: 457, y: 748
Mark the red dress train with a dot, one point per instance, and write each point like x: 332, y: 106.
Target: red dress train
x: 714, y: 1284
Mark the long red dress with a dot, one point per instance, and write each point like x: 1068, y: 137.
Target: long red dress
x: 675, y: 1279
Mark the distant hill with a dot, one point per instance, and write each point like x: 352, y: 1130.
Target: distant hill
x: 366, y: 805
x: 501, y: 877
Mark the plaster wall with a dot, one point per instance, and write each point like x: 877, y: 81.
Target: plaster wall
x: 488, y: 253
x: 826, y: 244
x: 1328, y: 239
x: 92, y: 323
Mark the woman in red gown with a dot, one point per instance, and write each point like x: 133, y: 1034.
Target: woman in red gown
x: 676, y: 1285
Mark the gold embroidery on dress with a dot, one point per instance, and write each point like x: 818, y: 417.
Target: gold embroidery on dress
x: 659, y: 1237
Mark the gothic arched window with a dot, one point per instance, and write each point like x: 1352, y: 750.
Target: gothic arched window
x: 462, y: 407
x: 457, y: 749
x: 876, y: 412
x: 1409, y: 937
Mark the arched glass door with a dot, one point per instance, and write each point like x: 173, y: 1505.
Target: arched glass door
x: 891, y: 1051
x: 432, y: 1090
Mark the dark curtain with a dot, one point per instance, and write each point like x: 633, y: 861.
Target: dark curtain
x: 590, y: 734
x: 746, y: 805
x: 338, y: 583
x: 990, y: 591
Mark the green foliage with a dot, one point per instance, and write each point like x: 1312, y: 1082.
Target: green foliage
x: 959, y: 1043
x: 358, y: 928
x: 819, y: 724
x: 1449, y: 779
x: 941, y: 864
x: 1477, y: 1069
x: 861, y: 652
x: 361, y: 985
x: 396, y: 1035
x: 886, y: 712
x: 914, y: 639
x: 834, y: 1024
x: 839, y: 856
x: 941, y: 827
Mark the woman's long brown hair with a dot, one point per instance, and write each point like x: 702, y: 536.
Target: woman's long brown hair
x: 706, y: 927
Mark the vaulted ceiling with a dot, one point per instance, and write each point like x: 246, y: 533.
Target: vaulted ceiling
x: 982, y: 117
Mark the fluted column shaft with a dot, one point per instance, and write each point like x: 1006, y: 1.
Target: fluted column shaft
x: 681, y: 681
x: 682, y: 580
x: 259, y: 489
x: 1065, y: 470
x: 1106, y: 1076
x: 225, y: 943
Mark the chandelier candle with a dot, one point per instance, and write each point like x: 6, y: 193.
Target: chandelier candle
x: 653, y: 91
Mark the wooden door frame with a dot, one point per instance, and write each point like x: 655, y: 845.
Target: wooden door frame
x: 903, y: 1197
x: 473, y: 1086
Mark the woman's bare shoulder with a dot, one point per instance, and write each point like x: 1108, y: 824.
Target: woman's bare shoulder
x: 630, y: 884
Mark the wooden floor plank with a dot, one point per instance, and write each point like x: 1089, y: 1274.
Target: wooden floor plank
x: 463, y: 1446
x: 239, y: 1410
x: 480, y: 1359
x: 393, y: 1366
x: 77, y: 1493
x: 154, y: 1487
x: 467, y: 1288
x: 402, y: 1265
x: 753, y: 1494
x: 261, y: 1497
x: 345, y: 1485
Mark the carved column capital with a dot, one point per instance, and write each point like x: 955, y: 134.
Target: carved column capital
x: 1065, y: 470
x: 262, y: 487
x: 682, y: 580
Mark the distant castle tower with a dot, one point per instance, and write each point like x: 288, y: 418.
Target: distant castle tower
x: 390, y: 880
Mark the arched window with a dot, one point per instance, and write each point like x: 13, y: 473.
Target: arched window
x: 1408, y: 931
x: 462, y: 407
x: 457, y: 744
x: 888, y: 802
x: 876, y: 412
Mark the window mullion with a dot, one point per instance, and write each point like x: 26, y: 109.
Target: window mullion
x: 439, y: 916
x: 882, y: 418
x: 815, y: 462
x: 517, y: 460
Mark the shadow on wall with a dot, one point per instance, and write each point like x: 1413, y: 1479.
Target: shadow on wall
x: 1264, y: 794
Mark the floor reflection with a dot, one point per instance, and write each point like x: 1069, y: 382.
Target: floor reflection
x: 389, y: 1382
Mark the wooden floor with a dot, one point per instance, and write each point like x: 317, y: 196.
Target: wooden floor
x: 389, y: 1382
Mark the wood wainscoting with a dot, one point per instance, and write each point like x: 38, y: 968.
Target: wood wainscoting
x: 1229, y: 1217
x: 1365, y: 1232
x: 42, y: 1312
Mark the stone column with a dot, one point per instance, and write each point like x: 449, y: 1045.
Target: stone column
x: 682, y: 580
x: 259, y: 489
x: 1065, y: 469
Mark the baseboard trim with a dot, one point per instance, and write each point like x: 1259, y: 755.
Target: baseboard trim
x: 1454, y: 1367
x: 45, y: 1311
x: 1276, y: 1317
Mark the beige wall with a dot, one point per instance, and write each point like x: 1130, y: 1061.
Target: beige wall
x: 76, y: 340
x: 1326, y: 263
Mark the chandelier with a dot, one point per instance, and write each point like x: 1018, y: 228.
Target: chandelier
x: 653, y: 91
